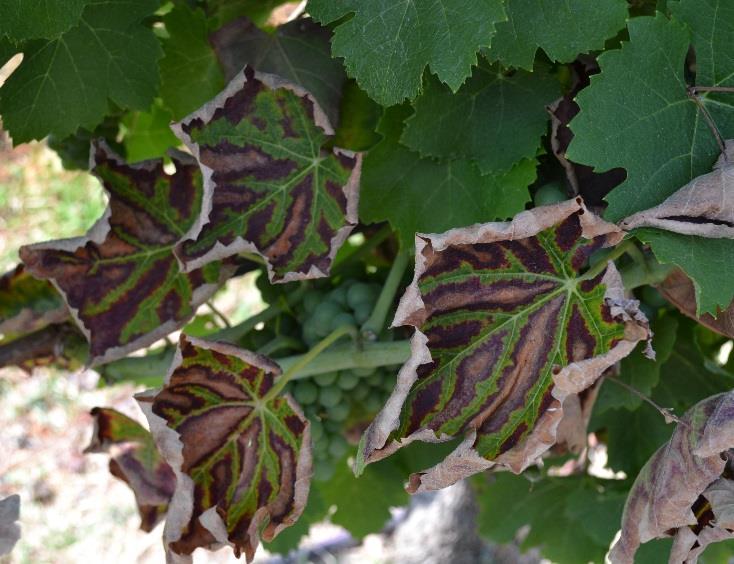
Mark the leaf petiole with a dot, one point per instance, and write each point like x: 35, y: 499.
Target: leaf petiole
x: 376, y: 321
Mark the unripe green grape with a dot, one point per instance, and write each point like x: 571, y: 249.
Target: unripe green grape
x: 551, y: 193
x: 305, y: 392
x: 311, y: 300
x: 322, y: 316
x: 339, y: 295
x: 341, y: 320
x: 333, y: 427
x: 317, y: 429
x: 322, y: 444
x: 373, y: 403
x: 362, y: 312
x: 375, y: 379
x: 308, y: 334
x: 338, y: 446
x: 325, y: 379
x: 362, y: 390
x: 358, y: 294
x: 339, y: 412
x: 347, y: 380
x: 330, y: 396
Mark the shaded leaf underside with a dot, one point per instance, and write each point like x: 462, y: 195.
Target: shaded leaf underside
x: 246, y: 457
x: 274, y: 187
x: 122, y: 282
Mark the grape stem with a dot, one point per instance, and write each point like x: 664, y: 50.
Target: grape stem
x: 667, y: 414
x: 306, y: 359
x: 374, y: 325
x: 614, y: 254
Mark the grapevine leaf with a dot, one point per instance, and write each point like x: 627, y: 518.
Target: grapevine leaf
x: 387, y: 45
x: 39, y: 19
x: 190, y: 71
x: 27, y: 304
x: 706, y: 261
x: 664, y: 493
x: 121, y: 281
x: 259, y: 11
x: 494, y: 119
x: 562, y: 30
x: 134, y: 460
x: 679, y: 290
x: 507, y: 328
x: 721, y: 496
x: 703, y: 207
x: 638, y: 371
x: 242, y: 459
x: 290, y: 539
x: 148, y: 134
x: 358, y: 509
x: 9, y: 529
x: 572, y: 520
x: 68, y: 82
x: 272, y: 186
x: 298, y: 51
x: 423, y: 195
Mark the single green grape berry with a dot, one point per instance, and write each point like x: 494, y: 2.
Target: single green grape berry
x: 322, y: 316
x: 317, y: 428
x: 326, y: 378
x: 359, y: 293
x: 341, y: 320
x: 339, y: 295
x: 305, y: 392
x: 373, y: 403
x: 339, y: 412
x: 338, y: 446
x: 551, y: 193
x: 323, y: 471
x: 322, y: 444
x: 362, y: 390
x: 347, y: 380
x: 309, y: 336
x: 375, y: 379
x: 330, y: 396
x: 311, y: 300
x: 333, y: 427
x: 362, y: 312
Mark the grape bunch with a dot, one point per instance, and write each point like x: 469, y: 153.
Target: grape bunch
x: 336, y: 401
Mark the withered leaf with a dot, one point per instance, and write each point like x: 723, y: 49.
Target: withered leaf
x: 242, y: 458
x: 703, y: 207
x: 27, y: 304
x: 665, y: 498
x: 272, y: 184
x: 135, y: 460
x: 679, y: 290
x: 720, y: 495
x: 507, y: 327
x: 122, y: 281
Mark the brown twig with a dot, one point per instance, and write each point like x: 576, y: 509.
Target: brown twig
x: 669, y: 416
x: 693, y: 95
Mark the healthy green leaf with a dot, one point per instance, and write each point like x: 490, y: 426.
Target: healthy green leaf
x: 190, y: 71
x: 68, y: 82
x: 242, y: 458
x: 572, y: 520
x: 275, y: 187
x: 706, y: 261
x: 27, y: 304
x: 122, y: 281
x: 135, y: 460
x: 148, y: 134
x: 298, y: 51
x: 507, y: 328
x: 359, y: 508
x: 423, y: 195
x: 561, y: 29
x: 495, y: 119
x: 638, y: 371
x: 39, y: 19
x: 387, y: 45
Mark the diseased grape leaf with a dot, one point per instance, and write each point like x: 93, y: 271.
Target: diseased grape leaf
x: 122, y: 281
x: 27, y: 304
x: 507, y: 328
x: 720, y: 495
x: 299, y: 51
x: 662, y: 499
x: 679, y: 290
x: 148, y: 134
x: 495, y: 119
x: 9, y: 529
x: 68, y: 82
x: 135, y: 460
x: 638, y: 371
x: 704, y: 207
x: 572, y: 520
x: 290, y: 539
x: 271, y: 185
x: 386, y: 45
x: 561, y: 29
x: 242, y: 458
x: 640, y: 98
x: 39, y: 19
x: 190, y: 71
x: 706, y: 261
x: 423, y: 195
